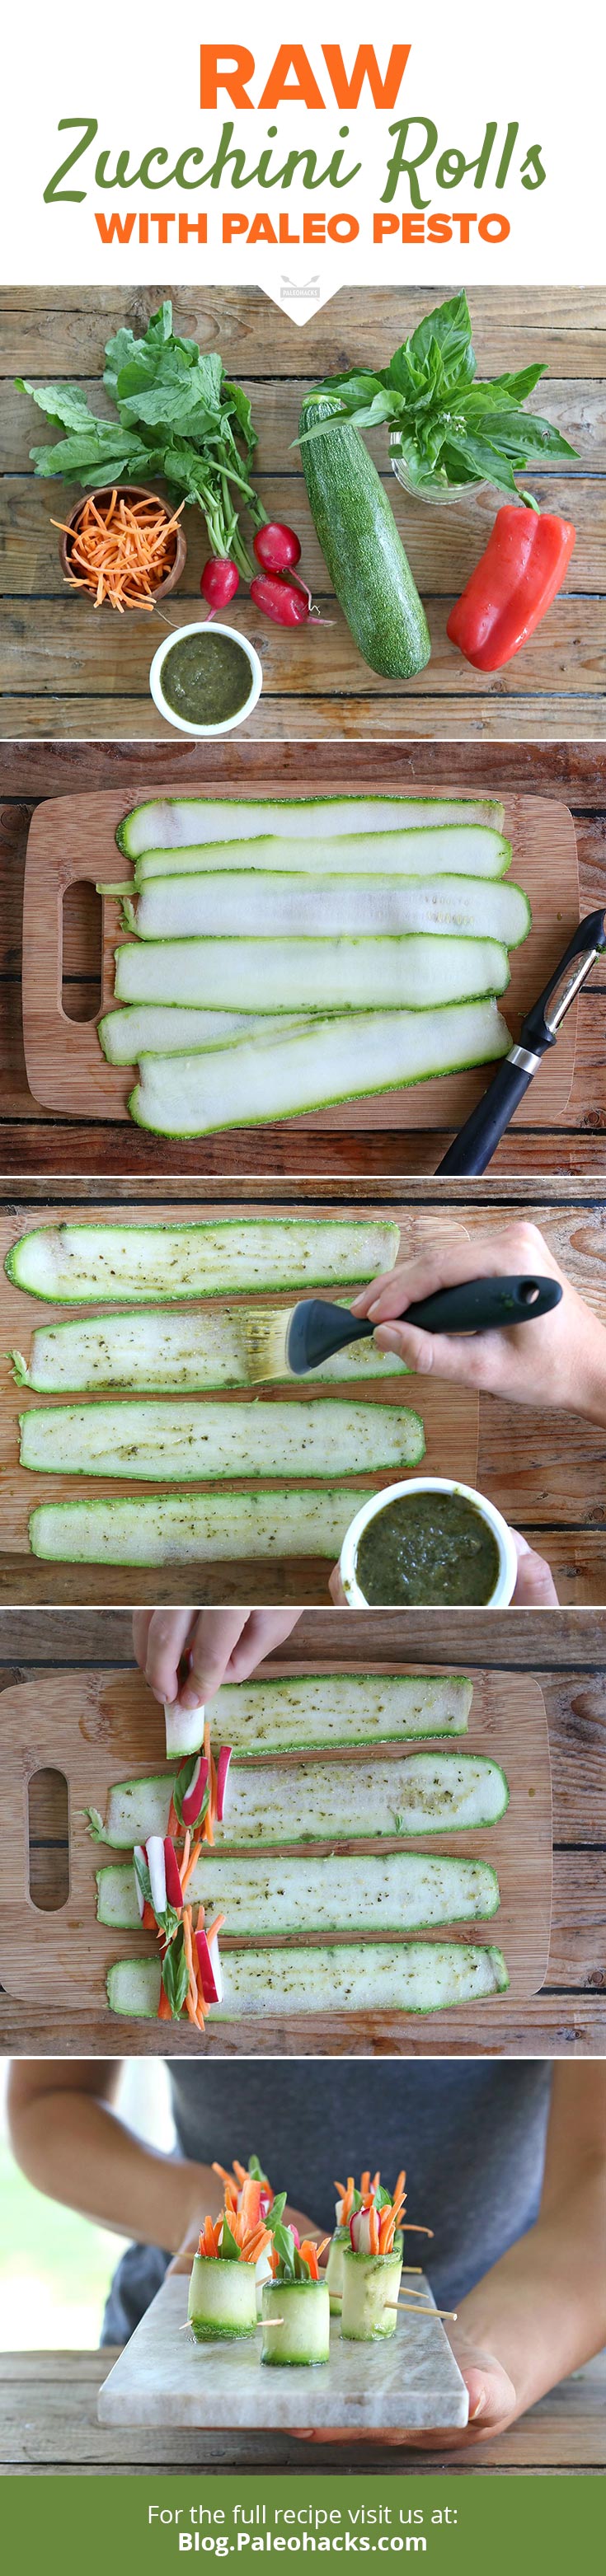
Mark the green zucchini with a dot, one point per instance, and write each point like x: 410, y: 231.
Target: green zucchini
x: 364, y: 555
x: 369, y: 907
x: 466, y: 849
x: 358, y: 1976
x: 195, y: 1529
x: 324, y: 976
x: 317, y: 1712
x: 176, y: 822
x: 184, y: 1442
x: 349, y: 1059
x: 157, y: 1030
x: 384, y: 1893
x: 75, y: 1264
x: 328, y: 1802
x: 177, y: 1354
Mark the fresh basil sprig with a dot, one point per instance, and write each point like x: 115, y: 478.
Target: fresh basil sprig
x: 168, y: 1922
x: 178, y: 416
x: 175, y: 1974
x: 449, y: 428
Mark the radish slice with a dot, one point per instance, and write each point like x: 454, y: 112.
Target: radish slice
x: 222, y: 1771
x: 140, y: 1854
x: 184, y: 1729
x: 208, y: 1965
x: 363, y: 2232
x: 194, y: 1795
x: 216, y: 1968
x: 157, y: 1873
x: 174, y: 1893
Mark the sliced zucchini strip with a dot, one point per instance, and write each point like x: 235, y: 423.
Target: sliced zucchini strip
x: 76, y: 1264
x: 321, y: 1711
x: 360, y: 907
x: 418, y: 974
x: 178, y: 1353
x: 335, y: 1801
x: 195, y: 1529
x: 361, y: 1976
x: 173, y: 822
x: 155, y: 1029
x: 349, y: 1059
x: 387, y: 1892
x: 466, y: 851
x: 185, y: 1441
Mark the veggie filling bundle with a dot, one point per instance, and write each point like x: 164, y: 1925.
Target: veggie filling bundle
x: 358, y: 1907
x: 285, y: 956
x: 253, y: 2260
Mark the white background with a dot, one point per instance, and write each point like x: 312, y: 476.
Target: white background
x: 137, y: 71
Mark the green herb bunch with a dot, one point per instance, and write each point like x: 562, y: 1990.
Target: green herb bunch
x: 178, y: 415
x: 448, y: 427
x: 292, y: 2266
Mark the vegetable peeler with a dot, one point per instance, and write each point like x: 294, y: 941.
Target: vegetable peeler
x: 316, y: 1329
x: 477, y: 1141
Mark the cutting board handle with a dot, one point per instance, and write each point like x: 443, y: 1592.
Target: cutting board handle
x: 66, y: 1070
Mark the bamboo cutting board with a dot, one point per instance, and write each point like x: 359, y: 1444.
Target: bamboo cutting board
x: 72, y: 838
x: 96, y: 1728
x: 450, y: 1413
x: 163, y: 2377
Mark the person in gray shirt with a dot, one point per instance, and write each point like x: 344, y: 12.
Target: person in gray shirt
x: 506, y: 2162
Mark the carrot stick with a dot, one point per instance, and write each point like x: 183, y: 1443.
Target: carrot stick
x: 186, y: 1872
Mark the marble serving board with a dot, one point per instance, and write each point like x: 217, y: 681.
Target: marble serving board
x: 409, y: 2384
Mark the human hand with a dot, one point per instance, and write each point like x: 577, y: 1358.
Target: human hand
x: 535, y: 1587
x: 222, y: 1645
x: 492, y: 2406
x: 562, y: 1362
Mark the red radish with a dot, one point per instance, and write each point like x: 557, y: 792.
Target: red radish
x: 276, y: 547
x: 194, y: 1796
x: 295, y: 2232
x: 174, y: 1892
x: 157, y: 1873
x: 210, y: 1967
x: 219, y: 582
x: 140, y: 1854
x: 279, y: 599
x: 222, y: 1771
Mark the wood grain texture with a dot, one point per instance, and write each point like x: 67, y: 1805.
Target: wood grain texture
x: 49, y: 2424
x: 98, y: 1728
x: 34, y: 1140
x: 67, y: 671
x: 73, y: 841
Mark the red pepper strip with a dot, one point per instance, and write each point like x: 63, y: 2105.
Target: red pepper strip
x: 512, y: 587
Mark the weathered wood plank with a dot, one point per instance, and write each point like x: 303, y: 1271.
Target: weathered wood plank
x: 48, y: 327
x: 554, y: 717
x: 81, y: 651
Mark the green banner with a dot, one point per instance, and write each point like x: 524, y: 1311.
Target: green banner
x: 456, y: 2525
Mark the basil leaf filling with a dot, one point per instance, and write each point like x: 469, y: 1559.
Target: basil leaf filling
x: 450, y: 427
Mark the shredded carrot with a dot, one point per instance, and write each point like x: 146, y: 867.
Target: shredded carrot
x: 214, y: 1928
x: 123, y: 551
x: 173, y: 1827
x: 164, y: 2011
x: 225, y: 2176
x: 191, y: 1998
x: 373, y: 2230
x: 365, y: 2180
x: 188, y: 1868
x: 183, y: 1865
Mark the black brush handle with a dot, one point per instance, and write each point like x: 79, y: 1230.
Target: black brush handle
x: 317, y: 1329
x: 477, y: 1141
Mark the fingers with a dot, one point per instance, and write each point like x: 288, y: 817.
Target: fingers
x: 462, y: 1357
x: 535, y: 1587
x: 517, y: 1247
x: 336, y: 1589
x: 214, y: 1638
x: 161, y: 1647
x: 264, y: 1630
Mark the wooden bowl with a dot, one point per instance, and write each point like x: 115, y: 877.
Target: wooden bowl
x: 132, y: 492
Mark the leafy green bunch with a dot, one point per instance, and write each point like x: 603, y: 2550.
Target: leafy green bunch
x: 292, y: 2266
x: 178, y: 415
x: 448, y: 427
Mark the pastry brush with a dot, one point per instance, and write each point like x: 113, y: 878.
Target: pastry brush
x: 288, y: 1344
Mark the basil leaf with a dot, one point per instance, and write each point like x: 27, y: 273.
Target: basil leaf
x: 95, y: 1824
x: 256, y: 2172
x: 175, y: 1974
x: 142, y: 1874
x: 277, y: 2207
x: 229, y: 2251
x: 183, y: 1783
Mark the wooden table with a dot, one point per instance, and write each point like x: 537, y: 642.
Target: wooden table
x: 568, y: 1654
x: 48, y: 2426
x: 66, y: 670
x: 36, y: 1140
x: 544, y: 1470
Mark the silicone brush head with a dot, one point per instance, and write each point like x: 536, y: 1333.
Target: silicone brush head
x: 288, y: 1344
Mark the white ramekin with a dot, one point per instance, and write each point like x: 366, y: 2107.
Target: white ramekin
x: 205, y: 733
x: 508, y: 1561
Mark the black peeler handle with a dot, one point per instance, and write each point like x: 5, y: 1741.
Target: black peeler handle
x: 477, y: 1141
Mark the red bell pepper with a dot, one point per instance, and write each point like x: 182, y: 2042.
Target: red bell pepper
x: 512, y: 586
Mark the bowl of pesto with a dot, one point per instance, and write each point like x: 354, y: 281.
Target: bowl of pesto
x: 206, y: 678
x: 430, y: 1542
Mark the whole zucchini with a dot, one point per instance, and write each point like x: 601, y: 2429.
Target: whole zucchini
x: 361, y: 547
